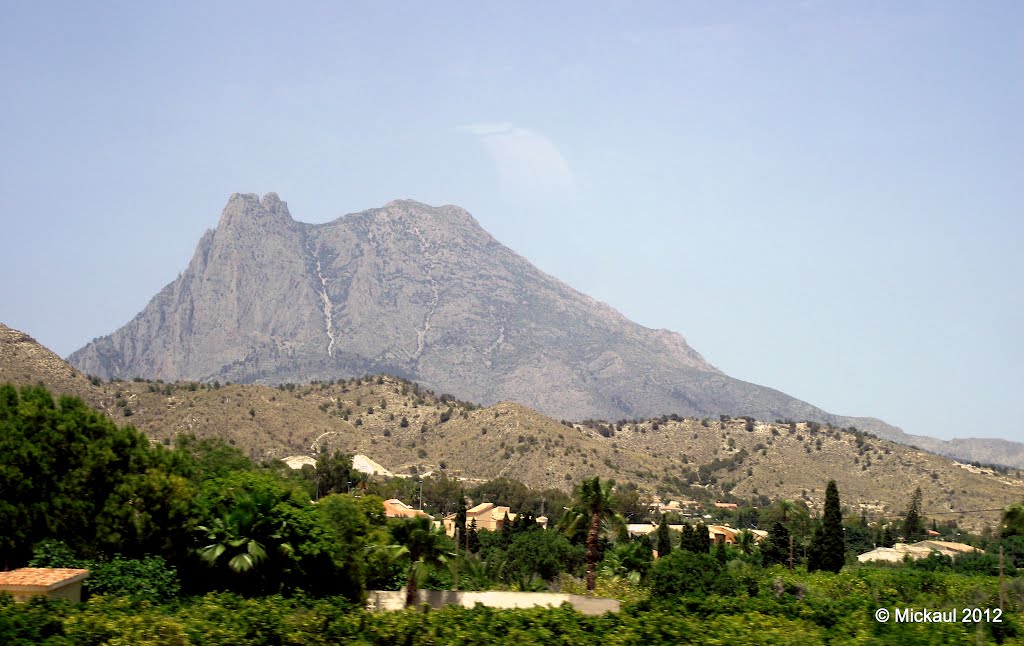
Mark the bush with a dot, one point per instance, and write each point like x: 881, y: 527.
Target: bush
x: 541, y: 553
x: 146, y: 579
x: 684, y: 573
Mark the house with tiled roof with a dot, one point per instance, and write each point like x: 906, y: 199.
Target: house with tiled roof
x: 52, y: 583
x: 487, y: 516
x: 717, y: 533
x: 722, y: 534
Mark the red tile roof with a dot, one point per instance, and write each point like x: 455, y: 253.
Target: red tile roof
x: 41, y: 577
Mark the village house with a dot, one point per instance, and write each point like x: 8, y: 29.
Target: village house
x: 487, y: 516
x: 717, y: 533
x: 922, y: 549
x: 52, y: 583
x: 395, y: 508
x: 681, y: 507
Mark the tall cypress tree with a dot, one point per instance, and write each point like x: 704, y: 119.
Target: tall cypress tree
x: 913, y: 526
x: 473, y: 538
x: 887, y: 538
x: 686, y: 540
x: 828, y: 547
x: 460, y: 522
x: 701, y: 539
x: 460, y: 517
x: 664, y: 538
x: 776, y: 548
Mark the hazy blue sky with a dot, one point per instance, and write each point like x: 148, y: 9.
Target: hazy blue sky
x: 824, y: 198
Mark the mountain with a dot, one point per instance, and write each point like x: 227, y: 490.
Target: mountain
x: 422, y: 293
x: 675, y: 457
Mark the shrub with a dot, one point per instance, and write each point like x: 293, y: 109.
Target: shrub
x: 684, y: 573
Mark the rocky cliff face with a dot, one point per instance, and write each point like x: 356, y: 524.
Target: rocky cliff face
x: 423, y: 293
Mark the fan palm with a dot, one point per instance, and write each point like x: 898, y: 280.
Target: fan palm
x: 745, y: 541
x: 244, y: 533
x: 424, y: 545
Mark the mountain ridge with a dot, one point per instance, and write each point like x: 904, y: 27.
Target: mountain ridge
x: 408, y: 429
x: 424, y: 293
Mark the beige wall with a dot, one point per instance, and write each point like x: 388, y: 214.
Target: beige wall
x: 72, y: 592
x: 395, y: 600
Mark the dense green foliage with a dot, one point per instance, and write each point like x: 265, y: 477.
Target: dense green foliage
x: 148, y: 579
x: 686, y: 573
x: 68, y: 471
x: 762, y: 607
x: 199, y: 545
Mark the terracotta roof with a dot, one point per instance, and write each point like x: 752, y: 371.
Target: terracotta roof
x: 482, y: 507
x: 41, y: 577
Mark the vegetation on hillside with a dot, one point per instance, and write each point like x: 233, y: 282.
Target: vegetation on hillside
x: 195, y: 543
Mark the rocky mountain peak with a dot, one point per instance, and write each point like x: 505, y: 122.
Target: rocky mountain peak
x: 249, y: 208
x: 419, y: 292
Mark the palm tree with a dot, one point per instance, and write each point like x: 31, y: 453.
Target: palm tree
x: 745, y: 541
x: 594, y: 503
x: 785, y: 508
x: 424, y: 545
x: 627, y: 560
x: 245, y: 533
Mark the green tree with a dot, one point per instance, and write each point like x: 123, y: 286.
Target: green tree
x: 888, y: 540
x: 354, y: 524
x: 828, y: 547
x: 1013, y: 521
x: 859, y: 538
x: 746, y: 542
x: 539, y: 553
x: 423, y: 546
x: 473, y: 538
x: 460, y: 521
x: 664, y: 537
x: 686, y: 573
x: 776, y: 547
x: 441, y: 494
x: 261, y: 534
x: 211, y: 458
x: 913, y: 524
x: 333, y: 473
x: 720, y: 554
x: 697, y: 540
x: 794, y: 514
x: 60, y: 465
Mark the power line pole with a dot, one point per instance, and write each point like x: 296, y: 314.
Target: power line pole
x: 456, y: 564
x: 1000, y: 577
x: 790, y: 552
